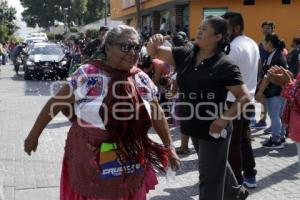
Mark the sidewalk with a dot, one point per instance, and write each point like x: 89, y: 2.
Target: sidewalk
x: 277, y: 178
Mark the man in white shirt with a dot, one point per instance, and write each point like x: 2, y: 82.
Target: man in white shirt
x: 245, y: 54
x: 163, y: 25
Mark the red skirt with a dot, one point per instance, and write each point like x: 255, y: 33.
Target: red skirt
x: 66, y: 192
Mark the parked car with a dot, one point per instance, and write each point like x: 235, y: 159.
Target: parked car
x: 45, y: 60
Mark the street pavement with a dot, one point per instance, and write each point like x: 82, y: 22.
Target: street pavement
x: 37, y: 177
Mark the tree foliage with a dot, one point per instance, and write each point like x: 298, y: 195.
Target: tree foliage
x: 92, y: 33
x: 44, y: 12
x: 94, y: 12
x: 78, y: 8
x: 7, y: 17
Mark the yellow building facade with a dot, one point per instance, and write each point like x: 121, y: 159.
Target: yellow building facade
x: 187, y: 14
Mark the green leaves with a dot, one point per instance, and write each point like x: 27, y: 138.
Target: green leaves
x: 7, y: 17
x: 94, y: 12
x: 45, y: 12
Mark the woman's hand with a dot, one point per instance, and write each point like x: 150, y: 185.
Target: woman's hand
x: 157, y: 40
x: 170, y: 95
x: 174, y: 160
x: 31, y: 143
x: 279, y: 75
x: 154, y: 43
x: 218, y: 125
x: 260, y: 97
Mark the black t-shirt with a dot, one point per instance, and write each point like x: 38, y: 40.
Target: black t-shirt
x: 293, y: 60
x: 202, y: 89
x: 277, y: 59
x: 91, y: 47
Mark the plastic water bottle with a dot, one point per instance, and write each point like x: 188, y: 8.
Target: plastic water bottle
x: 223, y: 134
x: 170, y: 175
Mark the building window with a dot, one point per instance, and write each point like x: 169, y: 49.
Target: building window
x: 286, y: 1
x: 249, y: 2
x: 214, y: 11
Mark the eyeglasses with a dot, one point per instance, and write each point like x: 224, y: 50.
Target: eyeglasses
x: 127, y: 47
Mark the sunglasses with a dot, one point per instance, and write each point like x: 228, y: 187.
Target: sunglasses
x: 127, y: 47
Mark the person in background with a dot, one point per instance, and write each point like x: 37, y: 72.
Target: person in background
x: 11, y: 47
x: 159, y: 72
x: 4, y: 53
x: 145, y: 34
x: 186, y: 30
x: 92, y: 46
x: 267, y: 28
x: 156, y: 69
x: 271, y: 92
x: 245, y: 54
x: 204, y: 75
x: 179, y: 40
x: 15, y: 54
x: 1, y: 53
x: 108, y: 154
x: 291, y: 92
x: 76, y: 52
x: 163, y: 25
x: 293, y: 58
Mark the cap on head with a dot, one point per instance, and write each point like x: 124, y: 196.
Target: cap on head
x: 182, y: 35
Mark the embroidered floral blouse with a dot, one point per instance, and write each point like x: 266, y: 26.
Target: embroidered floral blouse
x: 90, y: 85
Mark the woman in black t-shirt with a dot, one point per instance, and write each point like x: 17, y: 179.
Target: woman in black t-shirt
x: 205, y: 74
x: 275, y: 102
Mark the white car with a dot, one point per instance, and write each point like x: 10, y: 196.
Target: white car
x: 39, y: 35
x: 44, y: 60
x: 30, y: 40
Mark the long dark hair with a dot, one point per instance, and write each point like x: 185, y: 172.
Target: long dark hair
x: 275, y: 41
x: 220, y: 27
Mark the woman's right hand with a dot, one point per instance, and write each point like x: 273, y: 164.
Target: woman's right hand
x: 279, y: 75
x: 31, y: 143
x: 174, y: 160
x: 157, y: 39
x: 154, y: 43
x: 260, y: 97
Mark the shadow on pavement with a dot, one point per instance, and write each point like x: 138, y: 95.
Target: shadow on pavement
x: 253, y: 131
x: 288, y: 151
x: 287, y: 173
x: 183, y: 193
x: 58, y: 125
x: 17, y: 77
x: 187, y: 166
x: 175, y: 133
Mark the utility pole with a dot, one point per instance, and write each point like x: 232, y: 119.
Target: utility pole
x: 105, y: 12
x: 138, y: 15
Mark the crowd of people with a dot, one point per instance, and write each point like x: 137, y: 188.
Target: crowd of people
x: 124, y: 86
